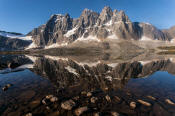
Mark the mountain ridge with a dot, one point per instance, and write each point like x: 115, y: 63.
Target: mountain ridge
x: 62, y: 30
x: 109, y: 24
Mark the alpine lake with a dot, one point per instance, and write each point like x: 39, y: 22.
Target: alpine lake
x: 48, y: 85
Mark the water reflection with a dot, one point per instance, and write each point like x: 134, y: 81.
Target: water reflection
x: 101, y: 87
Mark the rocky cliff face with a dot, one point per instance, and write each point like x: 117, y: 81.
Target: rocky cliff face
x: 62, y: 29
x: 8, y: 44
x: 10, y: 41
x: 170, y: 33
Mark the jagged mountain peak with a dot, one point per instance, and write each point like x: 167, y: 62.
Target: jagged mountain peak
x: 67, y: 15
x: 106, y: 14
x: 107, y: 10
x: 115, y: 12
x: 123, y: 17
x: 86, y: 10
x: 109, y: 24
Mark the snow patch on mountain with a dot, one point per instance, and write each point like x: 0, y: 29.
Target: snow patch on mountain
x: 32, y: 45
x: 144, y: 62
x: 56, y: 45
x: 113, y: 65
x: 144, y: 38
x: 13, y: 36
x: 70, y: 32
x: 109, y: 23
x: 113, y: 36
x: 71, y: 70
x: 90, y: 64
x: 173, y: 40
x: 89, y: 38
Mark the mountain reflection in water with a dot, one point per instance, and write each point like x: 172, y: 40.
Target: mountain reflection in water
x: 96, y: 88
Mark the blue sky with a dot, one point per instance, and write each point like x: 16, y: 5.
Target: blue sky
x: 24, y: 15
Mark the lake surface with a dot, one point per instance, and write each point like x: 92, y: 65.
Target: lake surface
x: 53, y: 85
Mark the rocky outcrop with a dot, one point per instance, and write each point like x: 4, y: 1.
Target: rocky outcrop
x: 62, y: 29
x: 8, y: 44
x: 170, y: 33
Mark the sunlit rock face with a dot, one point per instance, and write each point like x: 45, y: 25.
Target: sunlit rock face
x: 170, y: 33
x: 61, y: 30
x: 109, y: 24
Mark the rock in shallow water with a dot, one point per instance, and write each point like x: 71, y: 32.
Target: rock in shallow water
x: 44, y: 101
x: 89, y: 94
x: 94, y: 99
x: 169, y: 102
x: 115, y: 114
x: 53, y: 99
x: 6, y: 87
x: 68, y: 105
x: 133, y: 105
x: 80, y: 110
x: 144, y: 103
x: 29, y: 114
x: 151, y: 97
x: 49, y: 96
x: 117, y: 99
x: 108, y: 98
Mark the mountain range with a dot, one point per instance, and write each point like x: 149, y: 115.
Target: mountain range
x: 62, y: 30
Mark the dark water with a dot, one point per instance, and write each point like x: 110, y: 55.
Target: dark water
x: 97, y: 88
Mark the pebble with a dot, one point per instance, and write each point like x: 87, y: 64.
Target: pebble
x: 115, y: 114
x: 96, y: 114
x: 44, y: 101
x: 133, y: 105
x: 6, y: 87
x: 169, y: 102
x: 117, y: 98
x: 68, y: 105
x: 29, y: 114
x: 151, y: 97
x: 83, y: 92
x: 94, y: 99
x: 108, y: 98
x: 89, y: 94
x: 49, y: 96
x: 144, y: 103
x: 80, y: 110
x: 53, y: 99
x: 76, y: 98
x: 47, y: 107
